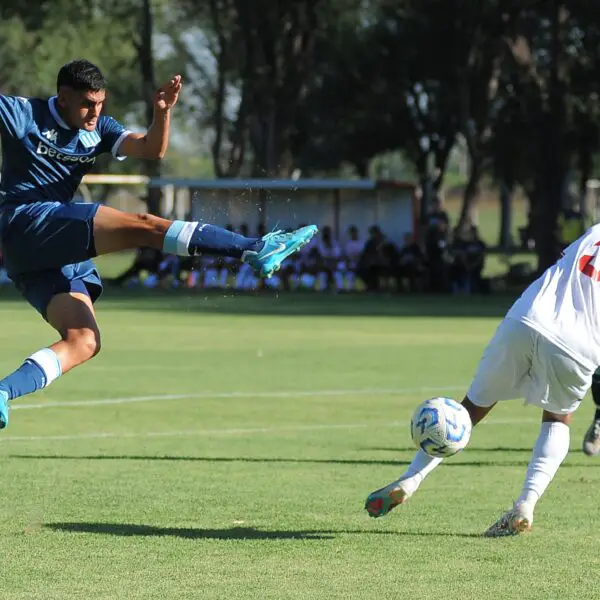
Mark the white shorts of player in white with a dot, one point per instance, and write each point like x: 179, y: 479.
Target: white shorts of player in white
x: 519, y: 362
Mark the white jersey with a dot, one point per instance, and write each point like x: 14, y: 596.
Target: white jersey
x: 332, y: 251
x: 563, y: 305
x: 354, y: 249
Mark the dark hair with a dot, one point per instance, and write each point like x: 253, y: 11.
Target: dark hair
x: 81, y: 75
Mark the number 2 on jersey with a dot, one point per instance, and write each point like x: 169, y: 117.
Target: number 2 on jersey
x: 586, y: 265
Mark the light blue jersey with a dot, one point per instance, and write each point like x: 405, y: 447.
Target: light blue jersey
x: 43, y: 159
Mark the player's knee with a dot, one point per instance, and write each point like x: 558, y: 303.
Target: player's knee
x: 85, y: 344
x: 149, y: 229
x: 151, y: 223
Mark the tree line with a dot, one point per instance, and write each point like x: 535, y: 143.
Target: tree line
x: 323, y: 87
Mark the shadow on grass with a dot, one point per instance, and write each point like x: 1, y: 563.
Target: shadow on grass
x: 470, y: 449
x: 317, y: 461
x: 234, y: 533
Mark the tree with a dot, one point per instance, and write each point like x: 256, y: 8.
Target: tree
x: 262, y: 56
x: 386, y: 89
x: 544, y: 55
x: 145, y: 53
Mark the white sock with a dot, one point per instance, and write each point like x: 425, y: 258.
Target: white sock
x: 551, y: 448
x: 49, y: 363
x: 422, y: 464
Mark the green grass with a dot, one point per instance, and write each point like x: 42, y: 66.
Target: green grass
x: 248, y: 480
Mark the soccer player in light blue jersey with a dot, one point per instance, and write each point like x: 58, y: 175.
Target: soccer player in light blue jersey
x: 48, y: 241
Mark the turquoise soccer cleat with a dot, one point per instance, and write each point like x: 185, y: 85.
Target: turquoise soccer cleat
x: 278, y: 245
x: 3, y: 409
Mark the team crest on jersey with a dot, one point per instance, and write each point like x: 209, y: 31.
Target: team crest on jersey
x: 51, y: 135
x: 89, y: 139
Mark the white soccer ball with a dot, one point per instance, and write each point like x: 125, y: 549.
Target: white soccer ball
x: 441, y: 427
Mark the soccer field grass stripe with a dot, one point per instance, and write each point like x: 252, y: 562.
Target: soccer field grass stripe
x: 231, y: 431
x: 232, y: 395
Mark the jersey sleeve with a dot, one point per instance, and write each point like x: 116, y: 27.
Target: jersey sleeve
x: 112, y: 135
x: 15, y: 115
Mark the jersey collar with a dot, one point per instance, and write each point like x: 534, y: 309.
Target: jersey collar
x: 54, y: 113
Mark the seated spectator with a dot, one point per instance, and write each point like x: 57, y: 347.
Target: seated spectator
x: 411, y: 265
x: 438, y: 256
x: 475, y: 260
x: 372, y: 260
x: 351, y: 255
x: 468, y: 256
x: 330, y: 254
x: 311, y: 266
x: 147, y: 260
x: 215, y: 273
x: 245, y: 279
x: 437, y: 213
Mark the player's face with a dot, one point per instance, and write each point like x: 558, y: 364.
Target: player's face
x: 81, y: 108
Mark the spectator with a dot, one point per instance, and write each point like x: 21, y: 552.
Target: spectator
x: 372, y: 260
x: 437, y: 214
x: 146, y: 260
x: 411, y: 265
x: 468, y: 256
x: 438, y: 258
x: 352, y: 251
x: 330, y: 255
x: 475, y: 260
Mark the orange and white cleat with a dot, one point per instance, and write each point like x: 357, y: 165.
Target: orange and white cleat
x: 382, y: 501
x: 513, y: 522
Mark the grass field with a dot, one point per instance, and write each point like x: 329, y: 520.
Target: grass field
x: 222, y: 448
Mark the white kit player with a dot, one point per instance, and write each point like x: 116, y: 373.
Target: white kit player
x: 546, y: 350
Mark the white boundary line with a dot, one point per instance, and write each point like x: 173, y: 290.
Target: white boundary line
x: 232, y: 431
x: 232, y: 395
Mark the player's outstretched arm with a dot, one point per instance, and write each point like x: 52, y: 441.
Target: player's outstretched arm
x: 153, y: 144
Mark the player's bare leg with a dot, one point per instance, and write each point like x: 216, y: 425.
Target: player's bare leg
x: 115, y: 230
x: 382, y: 501
x: 549, y: 451
x: 73, y: 317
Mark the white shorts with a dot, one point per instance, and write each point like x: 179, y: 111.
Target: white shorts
x: 521, y: 363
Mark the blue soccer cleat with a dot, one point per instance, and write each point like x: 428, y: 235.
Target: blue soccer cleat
x: 277, y: 247
x: 3, y: 409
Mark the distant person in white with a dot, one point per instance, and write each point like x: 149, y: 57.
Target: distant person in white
x: 352, y: 251
x: 546, y: 350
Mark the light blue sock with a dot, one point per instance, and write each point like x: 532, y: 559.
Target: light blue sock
x: 37, y: 372
x: 186, y: 238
